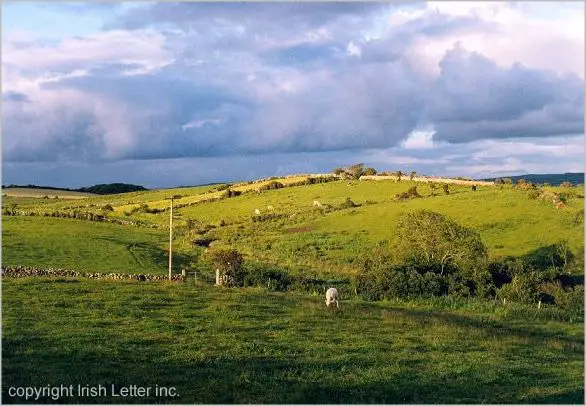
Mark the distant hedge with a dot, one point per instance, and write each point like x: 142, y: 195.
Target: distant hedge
x: 112, y: 188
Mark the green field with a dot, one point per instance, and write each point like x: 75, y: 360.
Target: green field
x: 254, y: 345
x: 48, y: 193
x: 306, y: 239
x: 218, y: 345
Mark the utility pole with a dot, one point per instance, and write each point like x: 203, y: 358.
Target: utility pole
x: 171, y: 239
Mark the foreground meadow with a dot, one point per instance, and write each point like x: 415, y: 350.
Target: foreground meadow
x: 218, y: 345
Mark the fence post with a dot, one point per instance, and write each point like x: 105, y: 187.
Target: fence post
x: 194, y: 278
x: 217, y: 276
x: 539, y: 305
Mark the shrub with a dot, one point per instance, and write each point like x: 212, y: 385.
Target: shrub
x: 533, y: 194
x: 566, y: 184
x: 523, y: 288
x: 438, y: 243
x: 271, y: 185
x: 355, y: 171
x: 398, y: 282
x: 338, y: 171
x: 369, y: 172
x: 446, y: 188
x: 267, y: 276
x: 320, y: 179
x: 108, y: 207
x: 267, y: 217
x: 229, y: 193
x: 348, y: 203
x: 412, y: 192
x: 230, y: 263
x: 224, y: 186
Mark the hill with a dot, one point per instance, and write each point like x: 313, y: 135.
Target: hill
x: 478, y: 334
x: 295, y: 234
x: 101, y: 189
x: 38, y: 192
x: 553, y: 178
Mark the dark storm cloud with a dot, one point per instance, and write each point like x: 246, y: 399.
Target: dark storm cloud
x: 233, y: 79
x: 474, y: 98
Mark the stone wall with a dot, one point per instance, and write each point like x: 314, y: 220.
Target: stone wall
x: 24, y: 271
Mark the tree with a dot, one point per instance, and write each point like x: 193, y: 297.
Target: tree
x: 399, y: 175
x: 437, y: 243
x: 369, y: 172
x: 446, y: 188
x: 412, y: 175
x: 338, y: 171
x: 356, y: 170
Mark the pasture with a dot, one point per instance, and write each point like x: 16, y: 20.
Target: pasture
x: 44, y: 193
x: 300, y: 236
x: 254, y: 345
x: 218, y: 345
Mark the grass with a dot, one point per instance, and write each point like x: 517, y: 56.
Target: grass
x: 83, y: 245
x: 40, y: 193
x: 508, y: 221
x: 249, y: 346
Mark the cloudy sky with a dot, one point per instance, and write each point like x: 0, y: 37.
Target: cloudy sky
x: 165, y: 94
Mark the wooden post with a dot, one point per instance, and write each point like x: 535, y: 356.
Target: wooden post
x: 195, y: 278
x: 184, y: 274
x: 171, y: 239
x: 217, y: 276
x: 539, y: 305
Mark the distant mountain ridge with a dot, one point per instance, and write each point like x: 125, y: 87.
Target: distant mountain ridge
x: 552, y: 178
x: 102, y: 189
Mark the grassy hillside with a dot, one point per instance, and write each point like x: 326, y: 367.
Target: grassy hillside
x: 81, y: 245
x: 40, y: 193
x: 303, y: 237
x: 219, y: 345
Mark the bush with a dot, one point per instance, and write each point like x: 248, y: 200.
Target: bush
x: 348, y: 203
x: 320, y: 179
x: 267, y: 217
x: 108, y: 207
x: 412, y: 192
x: 446, y: 188
x: 437, y: 243
x: 230, y: 263
x: 399, y: 282
x: 369, y: 172
x: 271, y: 185
x: 566, y: 184
x: 229, y: 193
x: 224, y: 186
x: 524, y: 288
x: 267, y: 276
x: 533, y: 194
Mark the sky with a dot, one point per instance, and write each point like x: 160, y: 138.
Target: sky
x: 168, y: 94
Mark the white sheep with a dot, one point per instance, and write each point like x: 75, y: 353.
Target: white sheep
x: 332, y: 297
x: 316, y: 203
x: 271, y: 208
x: 257, y: 212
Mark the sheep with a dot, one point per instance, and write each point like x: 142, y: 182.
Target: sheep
x: 271, y: 208
x: 316, y: 203
x: 332, y: 297
x: 257, y: 212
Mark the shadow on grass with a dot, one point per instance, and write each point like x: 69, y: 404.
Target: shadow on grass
x: 280, y: 377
